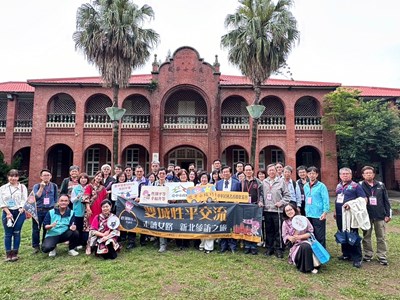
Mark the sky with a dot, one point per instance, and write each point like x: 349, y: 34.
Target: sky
x: 352, y: 42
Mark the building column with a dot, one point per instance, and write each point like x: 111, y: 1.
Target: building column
x: 10, y: 124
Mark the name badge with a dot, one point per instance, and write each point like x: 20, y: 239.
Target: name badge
x: 373, y: 201
x: 302, y: 198
x: 46, y: 201
x: 11, y: 202
x: 269, y: 196
x: 249, y: 199
x: 309, y: 200
x: 340, y: 198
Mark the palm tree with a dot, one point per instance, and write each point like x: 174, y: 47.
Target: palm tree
x: 110, y: 34
x: 260, y: 39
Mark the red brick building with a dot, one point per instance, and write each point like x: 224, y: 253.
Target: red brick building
x: 184, y: 111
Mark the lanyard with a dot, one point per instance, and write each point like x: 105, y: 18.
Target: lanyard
x: 12, y: 193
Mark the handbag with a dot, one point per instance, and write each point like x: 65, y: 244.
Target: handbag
x: 353, y: 238
x: 341, y: 237
x: 319, y: 250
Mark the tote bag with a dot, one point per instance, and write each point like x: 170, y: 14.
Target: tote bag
x: 319, y: 250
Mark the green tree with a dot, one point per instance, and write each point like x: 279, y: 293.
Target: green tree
x: 260, y: 37
x: 366, y: 131
x: 110, y: 34
x: 4, y: 168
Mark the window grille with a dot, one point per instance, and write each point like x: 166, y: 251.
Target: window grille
x: 136, y: 105
x: 62, y: 104
x: 98, y: 104
x: 24, y: 109
x: 273, y: 107
x: 306, y: 107
x: 181, y: 102
x: 3, y: 109
x: 234, y: 106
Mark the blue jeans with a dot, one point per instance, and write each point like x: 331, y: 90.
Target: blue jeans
x: 36, y: 227
x: 13, y: 232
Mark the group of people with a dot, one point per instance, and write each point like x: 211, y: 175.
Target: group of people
x: 78, y: 212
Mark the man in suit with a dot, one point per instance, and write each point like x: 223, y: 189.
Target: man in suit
x: 228, y: 184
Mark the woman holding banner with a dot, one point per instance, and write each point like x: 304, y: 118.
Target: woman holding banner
x: 93, y: 196
x: 79, y: 208
x: 103, y: 234
x: 206, y: 244
x: 13, y: 196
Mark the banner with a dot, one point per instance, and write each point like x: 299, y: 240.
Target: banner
x: 192, y: 220
x: 125, y: 190
x: 219, y: 196
x: 154, y: 194
x: 178, y: 190
x: 30, y: 207
x: 201, y: 189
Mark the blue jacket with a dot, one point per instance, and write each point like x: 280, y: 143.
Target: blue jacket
x: 319, y: 199
x: 63, y: 221
x: 235, y: 185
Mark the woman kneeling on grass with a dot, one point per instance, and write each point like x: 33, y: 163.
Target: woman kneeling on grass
x: 300, y: 253
x: 102, y: 239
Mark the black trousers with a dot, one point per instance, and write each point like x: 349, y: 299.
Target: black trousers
x: 353, y: 252
x: 273, y: 231
x: 50, y: 242
x: 319, y: 230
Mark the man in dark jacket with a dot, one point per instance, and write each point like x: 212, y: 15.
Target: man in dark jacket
x: 378, y: 207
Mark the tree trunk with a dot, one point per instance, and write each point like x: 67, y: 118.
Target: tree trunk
x: 115, y: 126
x: 257, y: 93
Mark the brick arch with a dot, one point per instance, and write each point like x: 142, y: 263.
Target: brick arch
x: 308, y: 156
x: 139, y: 99
x: 59, y: 158
x: 61, y: 103
x: 234, y: 105
x: 272, y: 153
x: 230, y: 157
x: 234, y: 96
x: 188, y: 156
x: 187, y: 87
x: 102, y: 158
x: 307, y: 106
x: 194, y: 143
x: 273, y: 105
x: 95, y: 107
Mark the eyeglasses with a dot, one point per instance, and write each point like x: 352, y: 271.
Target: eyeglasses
x: 177, y: 169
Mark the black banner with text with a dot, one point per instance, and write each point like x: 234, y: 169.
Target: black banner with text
x: 192, y: 220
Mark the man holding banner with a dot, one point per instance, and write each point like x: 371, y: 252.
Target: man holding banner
x: 254, y: 187
x: 228, y: 184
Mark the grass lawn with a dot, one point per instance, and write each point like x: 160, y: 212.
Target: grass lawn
x: 143, y: 273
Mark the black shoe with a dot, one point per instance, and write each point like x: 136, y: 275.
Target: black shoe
x: 36, y: 250
x: 342, y: 257
x: 207, y: 251
x: 269, y: 252
x: 254, y: 251
x: 279, y: 254
x: 357, y: 264
x: 130, y: 246
x: 247, y: 251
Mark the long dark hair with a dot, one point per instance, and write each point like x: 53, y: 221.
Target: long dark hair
x: 292, y: 205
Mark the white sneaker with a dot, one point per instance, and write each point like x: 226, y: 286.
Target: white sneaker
x: 72, y: 252
x: 53, y: 253
x: 77, y: 248
x: 162, y: 249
